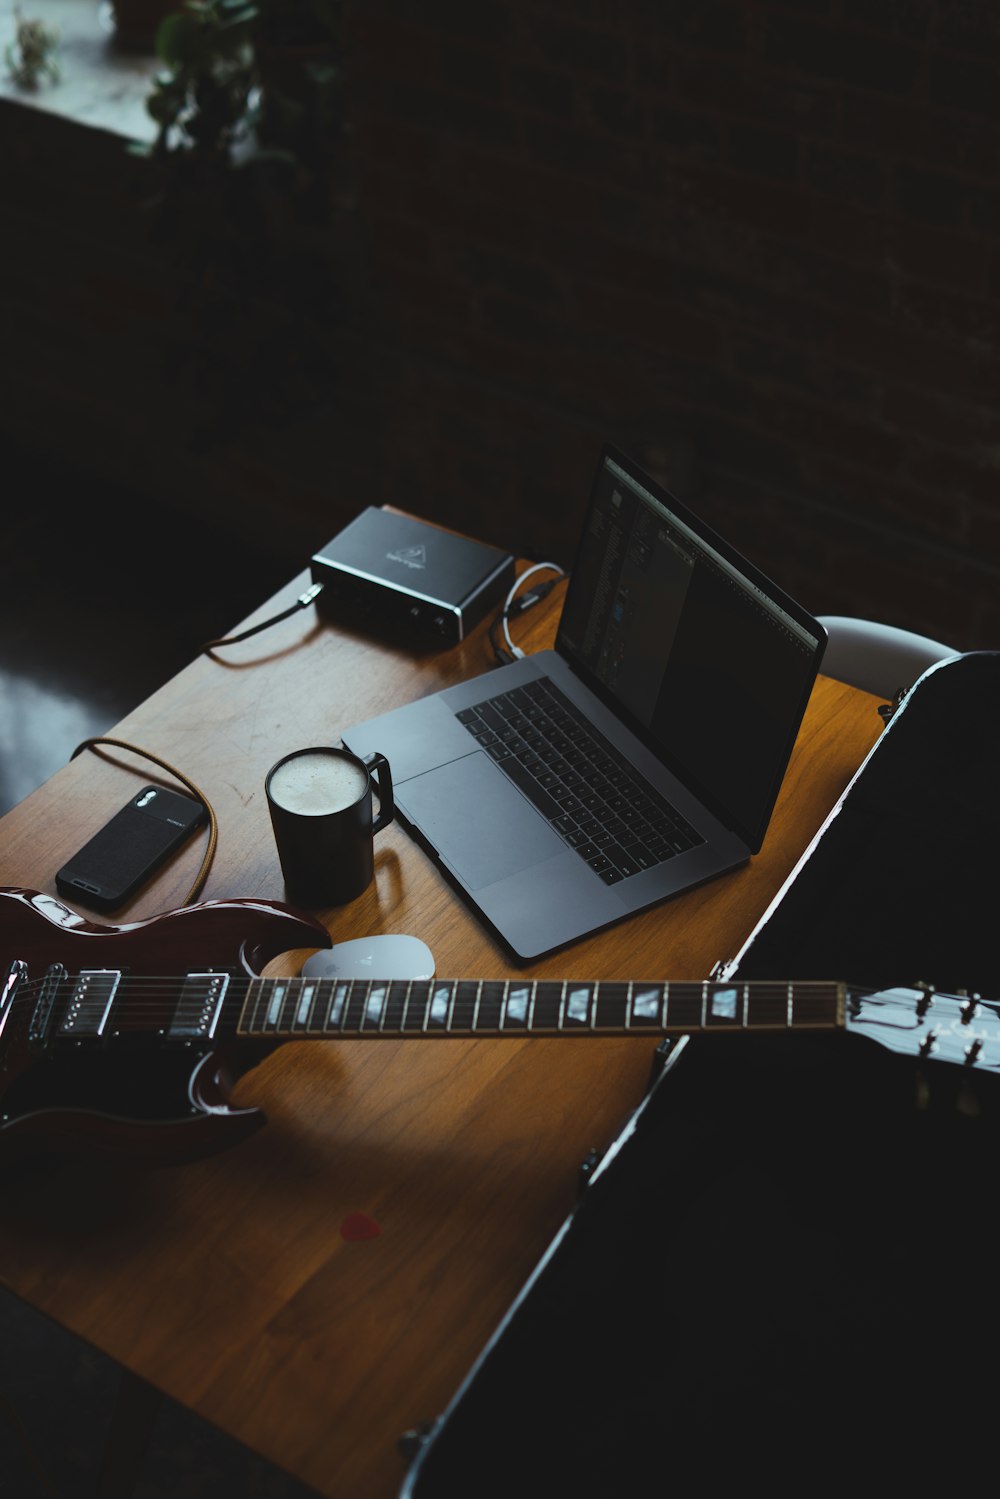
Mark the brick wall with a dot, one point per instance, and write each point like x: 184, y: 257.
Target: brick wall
x: 757, y: 245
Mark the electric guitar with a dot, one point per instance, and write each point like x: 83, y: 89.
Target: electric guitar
x: 105, y: 1046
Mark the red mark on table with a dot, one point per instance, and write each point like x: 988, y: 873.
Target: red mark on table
x: 359, y: 1226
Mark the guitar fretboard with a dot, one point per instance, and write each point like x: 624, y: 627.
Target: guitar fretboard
x: 286, y: 1008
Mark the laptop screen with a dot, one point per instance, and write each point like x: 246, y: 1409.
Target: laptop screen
x: 707, y: 661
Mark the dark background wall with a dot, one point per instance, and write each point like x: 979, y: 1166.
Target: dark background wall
x: 756, y: 244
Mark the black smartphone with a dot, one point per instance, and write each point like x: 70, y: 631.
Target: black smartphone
x: 129, y: 848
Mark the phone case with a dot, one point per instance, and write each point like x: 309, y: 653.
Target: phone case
x: 109, y: 868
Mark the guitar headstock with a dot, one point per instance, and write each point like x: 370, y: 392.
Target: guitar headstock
x: 960, y: 1028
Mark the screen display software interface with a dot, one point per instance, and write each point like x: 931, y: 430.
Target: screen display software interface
x: 695, y: 652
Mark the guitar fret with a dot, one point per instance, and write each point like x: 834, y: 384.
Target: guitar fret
x: 611, y: 1005
x: 395, y: 1008
x: 684, y: 1007
x: 248, y: 1014
x: 546, y: 1007
x: 354, y: 1011
x: 263, y: 1004
x: 464, y: 1008
x: 287, y: 1007
x: 491, y: 998
x: 405, y: 1006
x: 821, y: 1006
x: 416, y: 1007
x: 290, y: 1005
x: 315, y: 1022
x: 769, y: 1006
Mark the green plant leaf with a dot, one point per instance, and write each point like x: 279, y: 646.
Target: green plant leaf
x: 176, y: 36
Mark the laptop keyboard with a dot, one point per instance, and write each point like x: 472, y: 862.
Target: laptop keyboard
x: 599, y: 805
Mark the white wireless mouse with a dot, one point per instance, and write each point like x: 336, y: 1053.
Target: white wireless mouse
x: 384, y: 956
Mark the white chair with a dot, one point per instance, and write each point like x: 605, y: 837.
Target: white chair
x: 877, y: 658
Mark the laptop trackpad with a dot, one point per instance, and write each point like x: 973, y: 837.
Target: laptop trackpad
x: 478, y: 822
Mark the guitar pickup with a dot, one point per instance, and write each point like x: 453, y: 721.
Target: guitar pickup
x: 91, y: 996
x: 197, y: 1013
x: 41, y: 1015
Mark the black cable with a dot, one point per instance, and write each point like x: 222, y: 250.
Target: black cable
x: 311, y: 593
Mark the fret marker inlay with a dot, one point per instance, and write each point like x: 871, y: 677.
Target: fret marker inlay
x: 724, y: 1003
x: 647, y: 1004
x: 439, y: 1006
x: 337, y: 1003
x: 517, y: 1004
x: 578, y: 1005
x: 305, y: 1004
x: 376, y: 1000
x: 274, y: 1008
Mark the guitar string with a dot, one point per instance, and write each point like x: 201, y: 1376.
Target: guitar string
x: 154, y: 998
x: 147, y: 1007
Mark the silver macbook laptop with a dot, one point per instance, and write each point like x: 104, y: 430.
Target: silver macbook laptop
x: 639, y: 758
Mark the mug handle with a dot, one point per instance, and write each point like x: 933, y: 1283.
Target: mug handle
x: 378, y: 769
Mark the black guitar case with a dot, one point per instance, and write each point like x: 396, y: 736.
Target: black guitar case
x: 902, y: 882
x: 782, y: 1273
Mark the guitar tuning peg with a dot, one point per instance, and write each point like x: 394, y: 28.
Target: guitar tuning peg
x: 927, y: 990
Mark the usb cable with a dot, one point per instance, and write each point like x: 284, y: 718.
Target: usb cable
x: 514, y: 606
x: 303, y: 599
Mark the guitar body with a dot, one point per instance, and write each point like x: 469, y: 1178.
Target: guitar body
x: 126, y: 1038
x: 126, y: 1095
x: 224, y: 933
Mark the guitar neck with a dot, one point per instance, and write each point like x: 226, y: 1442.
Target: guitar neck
x: 283, y: 1009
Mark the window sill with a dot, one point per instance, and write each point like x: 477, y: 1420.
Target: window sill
x: 100, y: 85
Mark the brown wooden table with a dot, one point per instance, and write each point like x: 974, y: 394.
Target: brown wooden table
x: 229, y: 1284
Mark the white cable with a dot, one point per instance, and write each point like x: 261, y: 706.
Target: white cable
x: 536, y: 568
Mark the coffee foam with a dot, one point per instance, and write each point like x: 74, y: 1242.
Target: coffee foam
x: 317, y: 783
